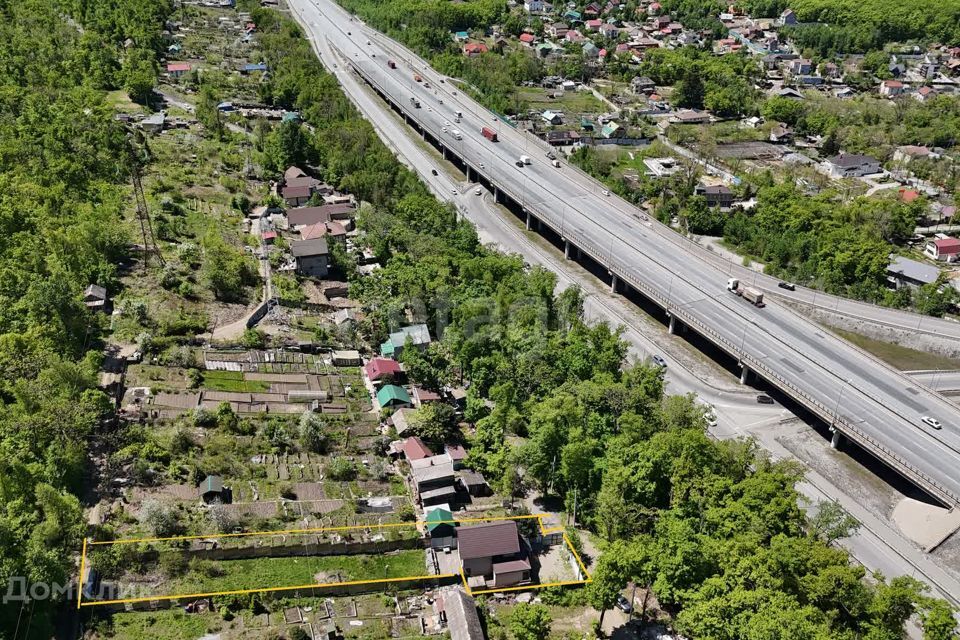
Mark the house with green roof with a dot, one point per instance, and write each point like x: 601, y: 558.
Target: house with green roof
x: 393, y: 397
x: 571, y: 15
x: 612, y: 130
x: 212, y: 490
x: 441, y: 528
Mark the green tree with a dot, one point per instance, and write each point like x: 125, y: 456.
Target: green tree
x: 610, y: 576
x: 313, y: 434
x: 139, y: 75
x: 435, y: 422
x: 207, y: 112
x: 938, y: 621
x: 783, y: 109
x: 529, y: 622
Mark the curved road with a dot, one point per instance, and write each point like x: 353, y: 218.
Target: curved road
x: 937, y: 328
x: 876, y: 544
x: 868, y: 401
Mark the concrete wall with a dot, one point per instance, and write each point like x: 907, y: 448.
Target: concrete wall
x: 918, y: 340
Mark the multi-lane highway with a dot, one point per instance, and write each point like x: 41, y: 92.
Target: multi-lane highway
x: 944, y: 332
x: 867, y: 401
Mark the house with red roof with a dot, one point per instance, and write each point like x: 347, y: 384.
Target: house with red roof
x: 527, y: 39
x: 379, y: 368
x: 474, y: 49
x: 178, y: 69
x: 908, y: 195
x: 925, y: 93
x: 414, y: 449
x: 593, y: 25
x: 891, y: 88
x: 944, y: 248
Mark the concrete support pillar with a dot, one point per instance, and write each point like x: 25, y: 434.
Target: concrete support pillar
x: 443, y: 150
x: 614, y: 281
x: 496, y: 194
x: 672, y: 329
x: 566, y: 249
x: 469, y: 179
x: 836, y: 439
x: 529, y: 220
x: 744, y: 374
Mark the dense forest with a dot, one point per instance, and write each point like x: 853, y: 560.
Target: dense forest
x: 63, y: 171
x: 713, y: 527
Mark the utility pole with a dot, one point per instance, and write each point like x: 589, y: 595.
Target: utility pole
x: 143, y: 215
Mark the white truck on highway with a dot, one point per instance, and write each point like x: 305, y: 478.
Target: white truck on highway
x: 750, y: 294
x: 525, y: 159
x: 456, y: 134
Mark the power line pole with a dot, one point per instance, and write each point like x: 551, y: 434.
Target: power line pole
x: 143, y: 214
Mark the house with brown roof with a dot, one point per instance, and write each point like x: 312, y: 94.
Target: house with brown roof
x: 307, y: 216
x: 296, y: 195
x: 491, y: 556
x: 95, y: 298
x: 312, y: 256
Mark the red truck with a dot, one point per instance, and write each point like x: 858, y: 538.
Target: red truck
x: 489, y: 134
x: 417, y: 78
x: 391, y: 64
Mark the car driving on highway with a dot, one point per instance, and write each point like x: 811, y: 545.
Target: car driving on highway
x: 764, y: 399
x: 789, y: 286
x: 933, y: 422
x: 659, y: 361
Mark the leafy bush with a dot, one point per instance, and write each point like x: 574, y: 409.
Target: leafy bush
x: 341, y: 469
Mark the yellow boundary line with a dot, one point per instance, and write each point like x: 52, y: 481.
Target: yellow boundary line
x: 466, y: 586
x: 83, y: 564
x: 319, y: 585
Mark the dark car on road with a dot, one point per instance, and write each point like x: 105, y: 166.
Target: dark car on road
x: 764, y: 399
x: 623, y: 604
x: 659, y: 361
x: 789, y: 286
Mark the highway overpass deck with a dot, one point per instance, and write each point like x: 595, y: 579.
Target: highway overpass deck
x: 870, y: 403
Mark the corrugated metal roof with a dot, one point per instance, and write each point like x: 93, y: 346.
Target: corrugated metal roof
x: 488, y: 540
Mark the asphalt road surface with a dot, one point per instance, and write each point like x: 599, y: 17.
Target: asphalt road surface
x: 876, y: 545
x: 861, y: 394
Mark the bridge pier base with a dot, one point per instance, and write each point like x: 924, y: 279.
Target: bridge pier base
x: 469, y: 179
x: 443, y: 150
x: 529, y: 220
x: 566, y: 249
x: 496, y: 194
x: 744, y: 374
x: 836, y: 440
x: 672, y: 329
x: 614, y: 282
